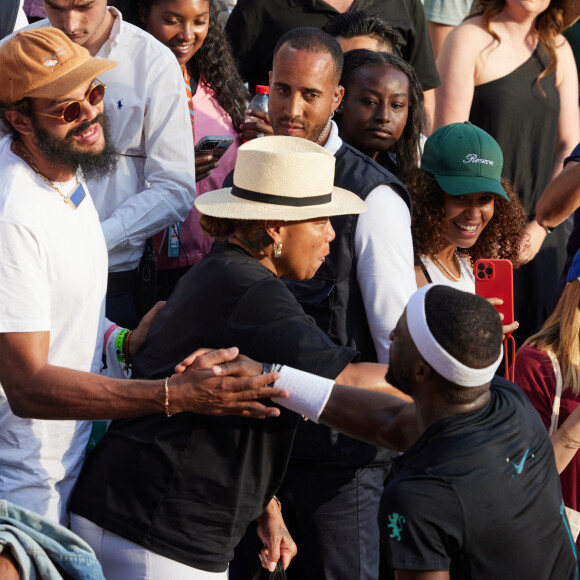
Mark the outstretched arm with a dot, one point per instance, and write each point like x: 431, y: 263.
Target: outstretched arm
x: 37, y: 389
x: 378, y: 418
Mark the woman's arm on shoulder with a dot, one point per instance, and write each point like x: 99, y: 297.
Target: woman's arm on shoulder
x: 567, y: 85
x: 457, y: 64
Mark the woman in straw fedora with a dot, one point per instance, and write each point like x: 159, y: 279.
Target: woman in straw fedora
x: 179, y: 491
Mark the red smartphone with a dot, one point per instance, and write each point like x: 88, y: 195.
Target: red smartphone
x: 494, y: 279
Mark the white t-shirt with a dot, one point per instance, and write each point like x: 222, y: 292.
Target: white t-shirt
x: 154, y: 183
x: 53, y: 276
x: 466, y: 283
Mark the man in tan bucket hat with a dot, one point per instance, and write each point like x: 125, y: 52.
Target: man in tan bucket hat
x: 53, y: 276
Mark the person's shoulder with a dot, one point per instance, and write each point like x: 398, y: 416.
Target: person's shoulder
x: 470, y: 34
x: 531, y: 353
x: 37, y: 24
x: 136, y: 43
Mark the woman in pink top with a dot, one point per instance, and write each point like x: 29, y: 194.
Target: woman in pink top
x: 217, y: 101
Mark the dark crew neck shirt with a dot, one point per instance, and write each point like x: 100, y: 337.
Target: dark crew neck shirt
x: 187, y: 487
x: 479, y: 495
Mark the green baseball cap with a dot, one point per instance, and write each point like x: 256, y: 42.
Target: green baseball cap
x: 464, y: 159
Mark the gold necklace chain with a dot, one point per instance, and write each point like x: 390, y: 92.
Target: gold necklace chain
x: 453, y: 276
x: 36, y: 170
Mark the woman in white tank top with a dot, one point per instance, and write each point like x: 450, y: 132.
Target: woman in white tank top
x: 462, y: 208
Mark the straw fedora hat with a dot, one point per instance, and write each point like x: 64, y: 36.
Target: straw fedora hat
x: 281, y: 178
x: 570, y: 12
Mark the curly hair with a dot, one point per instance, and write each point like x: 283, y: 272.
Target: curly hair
x: 547, y: 25
x: 213, y: 62
x: 499, y: 239
x: 406, y: 149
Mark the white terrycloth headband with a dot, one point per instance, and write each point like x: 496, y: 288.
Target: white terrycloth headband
x: 445, y: 364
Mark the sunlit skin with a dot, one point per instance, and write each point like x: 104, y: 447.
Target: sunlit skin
x: 367, y: 42
x: 85, y: 22
x: 304, y: 92
x: 530, y: 8
x: 466, y: 216
x: 375, y: 108
x: 181, y: 25
x: 86, y: 133
x: 305, y: 245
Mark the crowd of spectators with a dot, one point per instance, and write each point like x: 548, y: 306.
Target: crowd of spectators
x: 318, y: 273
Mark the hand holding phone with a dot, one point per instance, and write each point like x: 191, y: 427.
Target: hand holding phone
x: 494, y: 281
x: 215, y: 146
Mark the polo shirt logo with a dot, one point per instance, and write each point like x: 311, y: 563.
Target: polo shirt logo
x: 396, y: 522
x: 473, y: 158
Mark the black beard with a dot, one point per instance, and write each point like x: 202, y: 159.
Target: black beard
x: 63, y: 152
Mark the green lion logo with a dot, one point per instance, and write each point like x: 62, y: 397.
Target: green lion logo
x: 396, y: 524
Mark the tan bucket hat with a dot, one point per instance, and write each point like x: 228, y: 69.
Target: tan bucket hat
x: 44, y: 63
x: 281, y: 178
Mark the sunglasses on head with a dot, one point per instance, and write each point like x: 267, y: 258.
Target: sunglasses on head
x: 72, y: 109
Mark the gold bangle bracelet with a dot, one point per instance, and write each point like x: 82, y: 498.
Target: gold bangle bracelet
x: 167, y: 398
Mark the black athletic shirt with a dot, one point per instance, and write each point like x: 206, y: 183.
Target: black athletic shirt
x: 479, y: 495
x: 188, y: 486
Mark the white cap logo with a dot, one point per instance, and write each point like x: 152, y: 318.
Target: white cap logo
x: 473, y: 158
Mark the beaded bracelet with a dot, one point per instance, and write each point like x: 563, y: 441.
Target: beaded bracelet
x: 120, y: 344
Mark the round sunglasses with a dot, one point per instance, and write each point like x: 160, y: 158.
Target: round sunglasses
x: 72, y: 109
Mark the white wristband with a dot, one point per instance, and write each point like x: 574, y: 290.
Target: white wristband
x: 308, y: 393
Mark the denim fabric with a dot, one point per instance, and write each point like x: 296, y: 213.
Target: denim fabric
x: 44, y: 549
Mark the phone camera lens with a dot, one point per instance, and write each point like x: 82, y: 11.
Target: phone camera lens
x: 480, y: 266
x: 489, y: 271
x: 480, y: 275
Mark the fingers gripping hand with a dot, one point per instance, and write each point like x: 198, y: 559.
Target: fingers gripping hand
x: 232, y: 388
x: 206, y: 358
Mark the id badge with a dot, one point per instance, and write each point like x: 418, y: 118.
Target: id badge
x: 174, y: 233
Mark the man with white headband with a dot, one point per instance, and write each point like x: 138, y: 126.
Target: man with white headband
x: 476, y: 494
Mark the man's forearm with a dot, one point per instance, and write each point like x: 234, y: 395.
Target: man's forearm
x: 377, y: 418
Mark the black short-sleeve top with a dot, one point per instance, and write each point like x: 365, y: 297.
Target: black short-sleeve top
x: 478, y: 494
x: 188, y: 486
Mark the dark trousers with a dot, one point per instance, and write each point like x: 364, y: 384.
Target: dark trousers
x: 332, y: 514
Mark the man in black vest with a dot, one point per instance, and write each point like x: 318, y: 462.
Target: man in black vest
x: 333, y: 485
